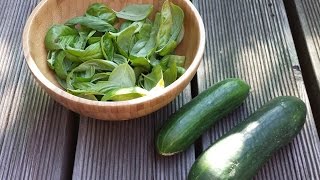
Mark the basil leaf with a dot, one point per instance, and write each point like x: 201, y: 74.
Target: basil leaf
x: 62, y: 82
x: 125, y: 24
x: 98, y: 65
x: 146, y: 46
x: 141, y: 81
x: 99, y: 88
x: 107, y: 47
x: 59, y: 66
x: 93, y: 40
x: 172, y: 65
x: 123, y: 75
x: 119, y: 59
x: 176, y: 33
x: 91, y: 22
x: 91, y: 52
x: 88, y: 96
x: 82, y: 39
x: 181, y: 71
x: 102, y: 12
x: 144, y: 32
x: 154, y: 79
x: 180, y: 36
x: 100, y: 77
x: 167, y: 60
x: 124, y: 40
x: 135, y: 12
x: 85, y: 76
x: 124, y: 94
x: 51, y: 58
x: 154, y: 61
x: 166, y: 23
x: 59, y: 36
x: 135, y: 25
x: 141, y: 62
x: 170, y: 75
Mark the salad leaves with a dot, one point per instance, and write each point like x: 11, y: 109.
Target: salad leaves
x: 99, y: 57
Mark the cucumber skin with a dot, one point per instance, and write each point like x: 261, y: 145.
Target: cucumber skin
x: 194, y: 118
x: 268, y: 129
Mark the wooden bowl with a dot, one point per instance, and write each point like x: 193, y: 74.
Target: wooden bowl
x: 50, y: 12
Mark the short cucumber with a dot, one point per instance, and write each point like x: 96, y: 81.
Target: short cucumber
x: 194, y: 118
x: 242, y: 151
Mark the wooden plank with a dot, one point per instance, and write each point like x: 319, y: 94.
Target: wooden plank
x: 125, y: 150
x: 251, y: 39
x: 36, y: 134
x: 304, y: 21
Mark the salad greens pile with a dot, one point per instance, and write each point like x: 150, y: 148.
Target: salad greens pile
x: 113, y: 56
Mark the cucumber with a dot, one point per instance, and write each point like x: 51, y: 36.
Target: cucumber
x: 241, y: 152
x: 194, y: 118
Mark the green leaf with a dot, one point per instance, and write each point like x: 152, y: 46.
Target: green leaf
x: 124, y: 40
x: 123, y: 75
x: 93, y: 40
x: 146, y: 46
x: 172, y: 65
x: 89, y: 88
x: 144, y: 32
x: 168, y: 48
x: 100, y: 77
x: 140, y: 81
x: 91, y: 22
x: 176, y: 32
x: 62, y: 83
x: 59, y: 66
x: 51, y: 58
x: 154, y: 79
x: 166, y: 23
x: 124, y: 94
x: 89, y: 97
x: 170, y: 75
x: 141, y: 62
x: 138, y: 71
x: 98, y: 65
x: 119, y: 59
x: 85, y: 76
x: 102, y: 12
x: 181, y: 71
x: 91, y: 52
x: 59, y: 36
x: 125, y: 25
x: 107, y: 47
x: 168, y: 60
x: 154, y: 61
x: 82, y: 39
x: 135, y: 12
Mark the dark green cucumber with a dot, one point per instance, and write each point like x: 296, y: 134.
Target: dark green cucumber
x: 194, y: 118
x: 241, y: 152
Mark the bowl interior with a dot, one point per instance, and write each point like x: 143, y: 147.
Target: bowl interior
x: 58, y: 11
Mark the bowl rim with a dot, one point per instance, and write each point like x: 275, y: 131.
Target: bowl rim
x: 43, y: 81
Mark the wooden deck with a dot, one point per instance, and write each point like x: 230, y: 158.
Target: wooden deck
x: 260, y: 41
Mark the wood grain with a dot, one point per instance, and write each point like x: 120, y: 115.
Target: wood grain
x: 35, y: 132
x: 252, y: 40
x: 125, y: 150
x: 50, y: 12
x: 304, y: 21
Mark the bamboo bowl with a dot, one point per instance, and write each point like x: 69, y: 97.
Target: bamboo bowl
x: 50, y: 12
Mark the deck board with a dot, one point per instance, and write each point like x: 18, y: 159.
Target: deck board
x: 35, y: 132
x: 304, y: 18
x: 252, y: 40
x: 125, y: 150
